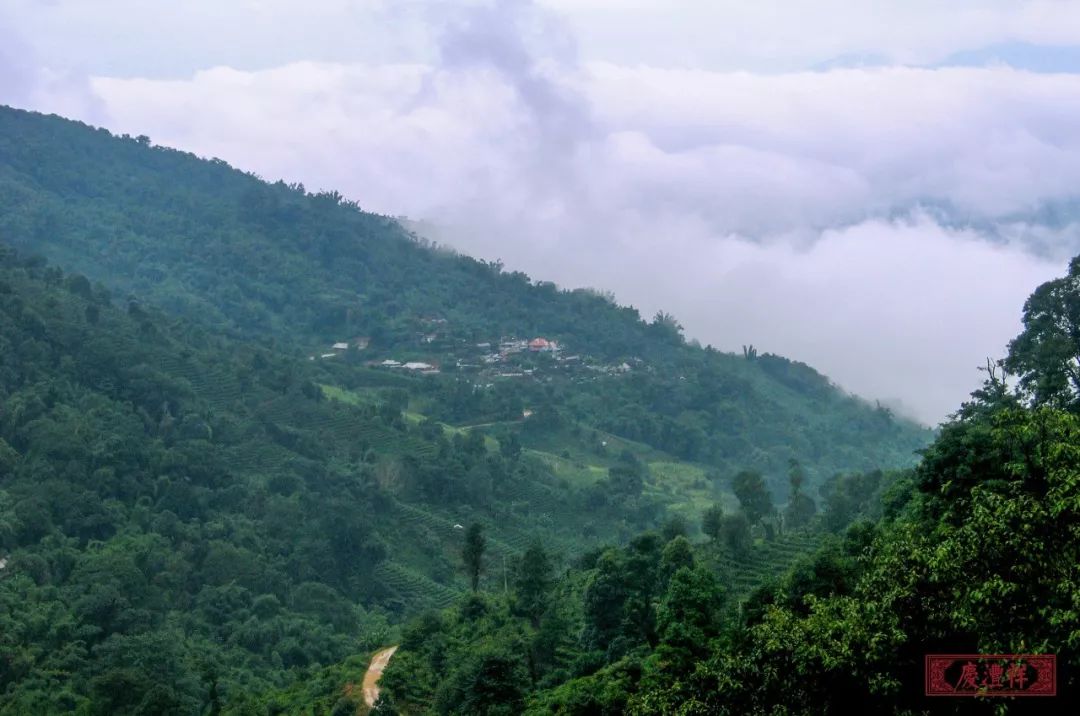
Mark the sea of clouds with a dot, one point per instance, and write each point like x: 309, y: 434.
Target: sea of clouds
x: 881, y: 221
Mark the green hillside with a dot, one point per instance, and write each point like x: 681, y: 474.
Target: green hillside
x: 301, y: 271
x: 165, y: 489
x: 976, y: 553
x: 179, y: 500
x: 206, y: 505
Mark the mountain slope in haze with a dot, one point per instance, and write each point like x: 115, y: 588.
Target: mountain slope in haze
x: 201, y: 500
x: 975, y: 551
x: 186, y: 518
x: 300, y: 271
x: 160, y: 541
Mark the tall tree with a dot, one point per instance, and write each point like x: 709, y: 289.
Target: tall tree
x: 665, y: 325
x: 473, y: 553
x: 735, y: 532
x: 801, y: 507
x: 800, y: 510
x: 492, y: 683
x: 712, y: 520
x: 677, y: 554
x: 603, y: 601
x: 688, y: 616
x: 1046, y: 355
x: 532, y: 584
x: 749, y: 487
x: 796, y: 475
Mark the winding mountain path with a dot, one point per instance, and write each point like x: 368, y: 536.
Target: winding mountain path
x: 374, y: 671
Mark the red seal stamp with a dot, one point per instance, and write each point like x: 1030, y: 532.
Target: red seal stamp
x: 991, y: 675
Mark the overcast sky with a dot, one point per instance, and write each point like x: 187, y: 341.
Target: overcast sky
x: 872, y: 188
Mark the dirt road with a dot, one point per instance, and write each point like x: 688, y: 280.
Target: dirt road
x: 374, y: 671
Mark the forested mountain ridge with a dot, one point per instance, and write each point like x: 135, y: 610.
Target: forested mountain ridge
x: 179, y: 506
x: 165, y: 532
x: 974, y: 551
x: 272, y: 262
x: 194, y: 484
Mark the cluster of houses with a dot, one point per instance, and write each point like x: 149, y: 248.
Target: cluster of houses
x: 502, y: 359
x: 506, y: 348
x: 416, y: 366
x: 360, y: 343
x: 511, y: 346
x: 623, y: 367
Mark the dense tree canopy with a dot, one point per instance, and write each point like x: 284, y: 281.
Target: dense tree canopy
x: 1046, y: 355
x: 202, y: 510
x: 279, y: 265
x: 976, y: 550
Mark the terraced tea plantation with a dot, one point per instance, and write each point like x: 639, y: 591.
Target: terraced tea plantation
x: 740, y: 574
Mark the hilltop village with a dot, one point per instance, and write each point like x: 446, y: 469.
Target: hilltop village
x: 436, y: 350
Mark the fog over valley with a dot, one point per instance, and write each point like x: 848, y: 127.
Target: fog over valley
x: 875, y: 203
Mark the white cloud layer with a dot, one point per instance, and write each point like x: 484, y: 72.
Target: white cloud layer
x: 137, y: 38
x: 883, y: 225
